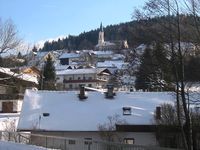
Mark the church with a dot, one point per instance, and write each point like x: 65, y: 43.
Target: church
x: 109, y: 45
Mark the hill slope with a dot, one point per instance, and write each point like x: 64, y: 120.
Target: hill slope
x: 135, y: 32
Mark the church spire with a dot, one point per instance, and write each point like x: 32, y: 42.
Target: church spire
x: 101, y: 35
x: 101, y: 27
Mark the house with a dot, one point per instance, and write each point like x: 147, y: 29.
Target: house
x: 80, y: 115
x: 69, y: 58
x: 40, y: 58
x: 10, y: 99
x: 71, y: 79
x: 31, y: 71
x: 12, y: 85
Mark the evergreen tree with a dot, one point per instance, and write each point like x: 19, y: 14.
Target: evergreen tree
x: 154, y: 71
x: 192, y: 69
x: 145, y: 73
x: 115, y: 80
x: 164, y: 70
x: 19, y: 55
x: 34, y: 49
x: 49, y: 74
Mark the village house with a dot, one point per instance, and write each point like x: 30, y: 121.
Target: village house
x: 71, y: 79
x: 80, y: 115
x: 69, y: 58
x: 12, y: 88
x: 38, y: 59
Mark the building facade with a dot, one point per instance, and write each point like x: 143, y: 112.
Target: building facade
x: 72, y: 79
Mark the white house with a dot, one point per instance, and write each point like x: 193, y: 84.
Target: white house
x: 79, y: 115
x: 73, y: 78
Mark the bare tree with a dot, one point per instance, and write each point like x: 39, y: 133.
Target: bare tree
x: 108, y: 129
x: 10, y: 127
x: 169, y: 120
x: 9, y: 39
x: 174, y: 34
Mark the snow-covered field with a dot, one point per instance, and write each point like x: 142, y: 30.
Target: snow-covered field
x: 16, y: 146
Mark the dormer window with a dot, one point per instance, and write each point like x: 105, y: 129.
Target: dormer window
x: 126, y: 110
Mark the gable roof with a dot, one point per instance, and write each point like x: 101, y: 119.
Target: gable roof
x: 68, y: 113
x: 76, y: 71
x: 21, y: 76
x: 69, y: 55
x: 83, y: 71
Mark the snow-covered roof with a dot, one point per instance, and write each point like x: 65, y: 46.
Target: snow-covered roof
x: 41, y: 54
x: 140, y: 49
x: 77, y: 71
x: 69, y: 55
x: 106, y: 43
x: 118, y: 57
x: 68, y: 113
x: 27, y: 77
x: 112, y: 64
x: 80, y: 71
x: 22, y: 76
x: 103, y: 52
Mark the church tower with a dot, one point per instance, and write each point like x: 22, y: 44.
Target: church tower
x: 101, y: 36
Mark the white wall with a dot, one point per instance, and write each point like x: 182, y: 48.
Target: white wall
x: 141, y: 138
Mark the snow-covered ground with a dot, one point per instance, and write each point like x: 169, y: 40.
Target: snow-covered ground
x: 17, y: 146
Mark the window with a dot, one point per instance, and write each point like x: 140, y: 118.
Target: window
x: 129, y: 140
x: 7, y: 107
x: 88, y: 141
x: 89, y: 85
x: 90, y: 78
x: 70, y: 78
x: 72, y: 142
x: 70, y: 86
x: 79, y: 78
x: 126, y: 110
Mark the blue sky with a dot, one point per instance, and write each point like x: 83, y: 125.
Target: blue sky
x: 38, y: 20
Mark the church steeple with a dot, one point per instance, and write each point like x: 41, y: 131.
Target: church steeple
x: 101, y: 27
x: 101, y: 35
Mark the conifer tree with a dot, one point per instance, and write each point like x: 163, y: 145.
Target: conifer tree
x: 154, y: 71
x: 145, y: 72
x: 49, y: 74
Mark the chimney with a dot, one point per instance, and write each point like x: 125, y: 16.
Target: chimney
x: 158, y: 113
x: 131, y: 89
x: 82, y: 95
x: 110, y: 94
